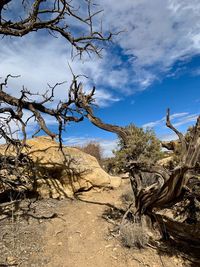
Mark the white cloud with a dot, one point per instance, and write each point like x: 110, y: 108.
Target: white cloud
x: 153, y: 124
x: 168, y: 137
x: 177, y: 119
x: 178, y: 115
x: 108, y: 146
x: 31, y: 126
x: 49, y: 64
x: 187, y: 119
x: 157, y: 33
x: 105, y: 98
x: 195, y: 72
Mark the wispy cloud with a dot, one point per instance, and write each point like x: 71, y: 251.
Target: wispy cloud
x: 156, y: 35
x: 49, y: 65
x: 186, y: 119
x: 195, y: 72
x: 153, y: 124
x: 177, y: 119
x: 168, y: 137
x: 104, y: 98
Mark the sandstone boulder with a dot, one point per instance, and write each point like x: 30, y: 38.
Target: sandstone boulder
x: 165, y: 161
x: 63, y: 173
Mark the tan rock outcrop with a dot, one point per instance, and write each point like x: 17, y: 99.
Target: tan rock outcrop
x: 63, y: 173
x: 165, y: 161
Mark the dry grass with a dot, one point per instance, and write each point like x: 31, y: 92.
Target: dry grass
x: 127, y: 197
x: 134, y: 235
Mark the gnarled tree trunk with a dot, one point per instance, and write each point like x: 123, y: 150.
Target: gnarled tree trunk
x: 171, y: 184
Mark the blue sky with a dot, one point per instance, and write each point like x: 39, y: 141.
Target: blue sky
x: 154, y: 64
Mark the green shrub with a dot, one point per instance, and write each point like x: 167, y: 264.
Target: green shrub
x: 142, y: 146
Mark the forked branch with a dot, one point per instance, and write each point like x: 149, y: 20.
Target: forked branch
x: 13, y: 109
x: 179, y: 134
x: 170, y: 189
x: 57, y: 17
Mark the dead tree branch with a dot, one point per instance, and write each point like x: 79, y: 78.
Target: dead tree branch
x: 57, y: 17
x: 170, y: 188
x: 69, y: 111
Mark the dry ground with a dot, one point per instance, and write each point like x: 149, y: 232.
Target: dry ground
x: 70, y: 233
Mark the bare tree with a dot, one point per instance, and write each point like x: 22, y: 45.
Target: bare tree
x: 70, y: 110
x: 171, y: 184
x: 94, y: 149
x: 57, y: 18
x: 54, y: 16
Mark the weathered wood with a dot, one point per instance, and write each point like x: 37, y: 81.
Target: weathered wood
x: 183, y: 232
x: 158, y: 195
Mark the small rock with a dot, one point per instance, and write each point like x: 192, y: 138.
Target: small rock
x: 88, y: 212
x: 108, y: 246
x: 11, y: 260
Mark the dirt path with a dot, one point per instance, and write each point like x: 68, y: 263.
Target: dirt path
x: 80, y: 237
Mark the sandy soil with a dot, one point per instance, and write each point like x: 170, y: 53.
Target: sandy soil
x: 72, y: 233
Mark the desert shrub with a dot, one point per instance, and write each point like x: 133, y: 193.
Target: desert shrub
x: 127, y: 197
x: 110, y: 165
x: 134, y: 235
x: 94, y: 149
x: 142, y: 146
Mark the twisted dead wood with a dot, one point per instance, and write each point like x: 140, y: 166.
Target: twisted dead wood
x: 169, y: 191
